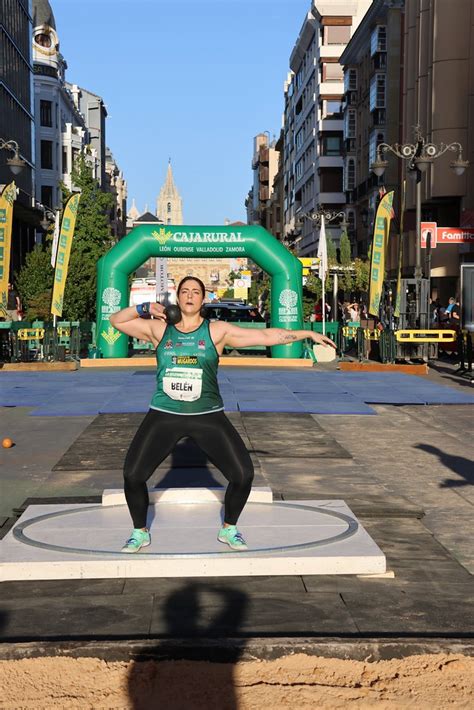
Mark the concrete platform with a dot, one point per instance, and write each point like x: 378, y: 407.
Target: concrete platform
x: 284, y: 538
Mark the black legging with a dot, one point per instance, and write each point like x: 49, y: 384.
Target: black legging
x: 213, y: 433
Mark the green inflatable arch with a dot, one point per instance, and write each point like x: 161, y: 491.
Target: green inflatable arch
x: 150, y: 240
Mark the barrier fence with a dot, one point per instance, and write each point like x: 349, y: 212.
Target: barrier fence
x: 41, y: 342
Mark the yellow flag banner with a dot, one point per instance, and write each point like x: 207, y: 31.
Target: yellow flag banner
x: 379, y: 245
x: 396, y: 312
x: 7, y: 198
x: 64, y: 251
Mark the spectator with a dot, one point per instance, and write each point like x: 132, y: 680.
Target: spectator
x: 354, y: 313
x: 318, y: 311
x: 13, y: 304
x: 455, y: 314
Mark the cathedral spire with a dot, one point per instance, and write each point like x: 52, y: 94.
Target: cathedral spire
x: 169, y: 204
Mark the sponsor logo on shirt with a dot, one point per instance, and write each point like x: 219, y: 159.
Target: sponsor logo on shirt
x: 184, y: 360
x: 202, y: 344
x: 168, y: 344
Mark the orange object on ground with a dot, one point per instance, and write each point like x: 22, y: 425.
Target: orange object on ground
x: 7, y: 443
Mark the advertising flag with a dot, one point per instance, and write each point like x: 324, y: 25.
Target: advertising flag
x: 379, y: 246
x: 398, y: 300
x: 7, y: 198
x: 64, y: 251
x: 54, y: 248
x: 322, y: 255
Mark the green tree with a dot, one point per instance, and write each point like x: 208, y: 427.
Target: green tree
x: 91, y: 241
x: 34, y: 282
x: 345, y: 250
x: 361, y: 274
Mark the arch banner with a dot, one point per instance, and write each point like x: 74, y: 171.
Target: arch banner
x: 152, y: 240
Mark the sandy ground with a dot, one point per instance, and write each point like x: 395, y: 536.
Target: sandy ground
x: 298, y: 681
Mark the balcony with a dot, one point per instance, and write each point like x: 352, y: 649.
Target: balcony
x: 331, y: 88
x: 263, y: 155
x: 329, y: 161
x: 263, y: 173
x: 330, y: 124
x: 332, y: 198
x: 263, y: 193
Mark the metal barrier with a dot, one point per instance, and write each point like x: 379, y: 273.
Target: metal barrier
x: 465, y: 354
x: 39, y: 341
x: 425, y: 336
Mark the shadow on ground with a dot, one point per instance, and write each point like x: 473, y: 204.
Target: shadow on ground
x: 190, y: 613
x: 458, y: 464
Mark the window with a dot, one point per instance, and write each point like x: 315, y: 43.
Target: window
x: 331, y: 145
x: 377, y: 91
x: 168, y: 207
x: 336, y: 34
x: 299, y: 139
x: 46, y: 113
x: 349, y: 174
x: 47, y: 155
x: 64, y: 161
x: 331, y: 180
x: 378, y: 40
x: 332, y: 108
x: 350, y: 122
x: 47, y: 196
x: 332, y: 71
x: 374, y: 141
x: 168, y: 221
x: 299, y: 169
x: 350, y: 80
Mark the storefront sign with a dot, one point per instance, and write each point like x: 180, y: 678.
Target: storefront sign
x: 445, y: 235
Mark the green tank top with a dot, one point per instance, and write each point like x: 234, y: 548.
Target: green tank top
x: 186, y: 379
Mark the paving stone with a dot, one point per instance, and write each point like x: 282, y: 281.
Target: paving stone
x: 60, y: 588
x: 411, y: 612
x: 97, y: 616
x: 249, y: 585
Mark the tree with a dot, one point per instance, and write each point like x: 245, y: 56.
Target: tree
x: 35, y: 284
x: 345, y: 250
x: 92, y: 239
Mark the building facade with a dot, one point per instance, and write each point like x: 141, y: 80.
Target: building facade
x: 372, y: 115
x: 16, y: 120
x: 264, y: 168
x: 438, y: 78
x: 116, y: 184
x: 313, y: 122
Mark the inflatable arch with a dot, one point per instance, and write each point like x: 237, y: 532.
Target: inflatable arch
x: 154, y: 240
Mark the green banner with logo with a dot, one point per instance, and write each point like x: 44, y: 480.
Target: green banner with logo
x: 7, y: 198
x: 379, y: 246
x: 64, y: 251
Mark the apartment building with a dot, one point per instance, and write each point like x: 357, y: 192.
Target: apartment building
x: 16, y: 120
x: 313, y: 120
x: 264, y: 167
x: 438, y: 94
x: 372, y: 65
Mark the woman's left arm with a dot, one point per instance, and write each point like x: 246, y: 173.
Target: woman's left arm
x: 237, y: 337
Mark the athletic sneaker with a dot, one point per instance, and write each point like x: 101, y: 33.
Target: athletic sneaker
x: 231, y: 536
x: 137, y: 540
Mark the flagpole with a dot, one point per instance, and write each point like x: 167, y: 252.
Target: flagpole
x: 322, y: 235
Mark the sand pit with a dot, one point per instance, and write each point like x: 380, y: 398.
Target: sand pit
x: 298, y: 681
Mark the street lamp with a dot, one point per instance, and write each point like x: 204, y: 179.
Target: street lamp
x: 420, y: 154
x: 319, y: 215
x: 16, y: 164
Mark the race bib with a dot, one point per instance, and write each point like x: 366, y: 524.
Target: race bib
x: 183, y: 383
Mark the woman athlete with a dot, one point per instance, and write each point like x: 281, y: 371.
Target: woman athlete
x: 187, y: 402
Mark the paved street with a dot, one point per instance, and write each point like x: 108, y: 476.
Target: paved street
x: 407, y: 473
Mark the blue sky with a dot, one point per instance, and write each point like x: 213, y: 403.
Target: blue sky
x: 193, y: 80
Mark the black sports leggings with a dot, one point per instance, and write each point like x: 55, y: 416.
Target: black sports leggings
x: 213, y: 433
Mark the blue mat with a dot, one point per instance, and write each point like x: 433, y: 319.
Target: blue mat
x: 85, y: 393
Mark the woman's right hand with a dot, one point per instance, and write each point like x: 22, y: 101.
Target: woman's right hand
x: 157, y: 311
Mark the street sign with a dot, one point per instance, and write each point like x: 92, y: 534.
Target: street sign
x: 445, y: 235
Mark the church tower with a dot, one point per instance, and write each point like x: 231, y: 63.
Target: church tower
x: 169, y: 208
